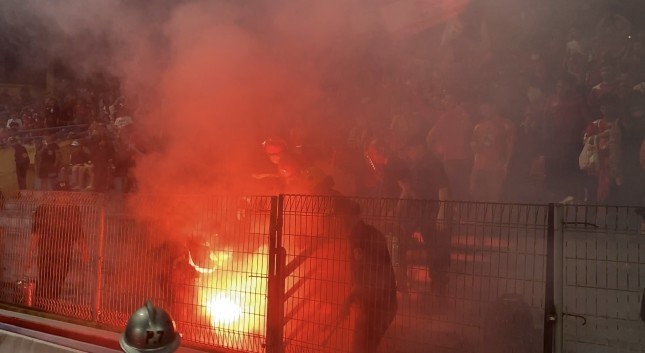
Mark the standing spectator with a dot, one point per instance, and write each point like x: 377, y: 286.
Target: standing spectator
x: 493, y: 142
x: 101, y: 155
x: 450, y: 138
x: 285, y: 165
x: 21, y: 157
x: 565, y: 115
x: 51, y: 112
x: 576, y: 58
x: 613, y: 29
x: 632, y: 134
x: 49, y: 157
x: 426, y: 179
x: 56, y: 230
x: 633, y: 61
x: 526, y: 171
x: 604, y: 134
x: 607, y: 86
x: 81, y: 112
x: 373, y: 294
x: 79, y: 160
x: 124, y: 159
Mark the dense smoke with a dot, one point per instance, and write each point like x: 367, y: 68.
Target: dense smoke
x: 220, y: 76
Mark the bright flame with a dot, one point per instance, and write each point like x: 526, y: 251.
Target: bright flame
x: 234, y: 295
x: 223, y: 311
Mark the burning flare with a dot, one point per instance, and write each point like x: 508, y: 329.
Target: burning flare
x: 234, y: 294
x: 223, y: 311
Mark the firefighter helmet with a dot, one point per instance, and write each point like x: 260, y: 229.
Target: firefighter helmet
x: 150, y: 329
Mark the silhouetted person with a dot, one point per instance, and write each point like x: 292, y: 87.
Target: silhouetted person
x: 21, y: 157
x: 49, y: 164
x: 56, y: 230
x: 373, y: 294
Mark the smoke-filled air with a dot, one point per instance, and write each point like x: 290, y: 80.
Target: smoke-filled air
x: 422, y: 110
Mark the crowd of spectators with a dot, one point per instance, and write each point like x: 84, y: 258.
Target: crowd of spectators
x: 563, y: 120
x: 553, y: 113
x: 96, y: 123
x: 557, y: 118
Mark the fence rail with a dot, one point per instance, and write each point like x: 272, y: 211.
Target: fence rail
x: 274, y: 273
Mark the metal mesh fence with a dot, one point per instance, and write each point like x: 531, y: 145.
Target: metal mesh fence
x: 603, y: 277
x: 468, y: 276
x: 48, y: 252
x: 98, y: 258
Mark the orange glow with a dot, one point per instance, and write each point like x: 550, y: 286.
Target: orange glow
x: 217, y: 260
x: 234, y: 295
x: 223, y: 311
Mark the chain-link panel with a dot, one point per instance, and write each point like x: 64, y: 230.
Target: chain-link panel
x: 468, y: 275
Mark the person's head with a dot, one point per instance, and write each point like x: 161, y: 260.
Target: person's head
x: 12, y: 141
x: 274, y: 149
x: 610, y: 107
x: 75, y: 145
x: 348, y: 214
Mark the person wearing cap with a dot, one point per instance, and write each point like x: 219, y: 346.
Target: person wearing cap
x: 287, y: 167
x: 21, y: 157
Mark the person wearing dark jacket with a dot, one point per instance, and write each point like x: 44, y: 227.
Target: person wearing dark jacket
x: 56, y: 230
x: 21, y: 157
x: 373, y: 294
